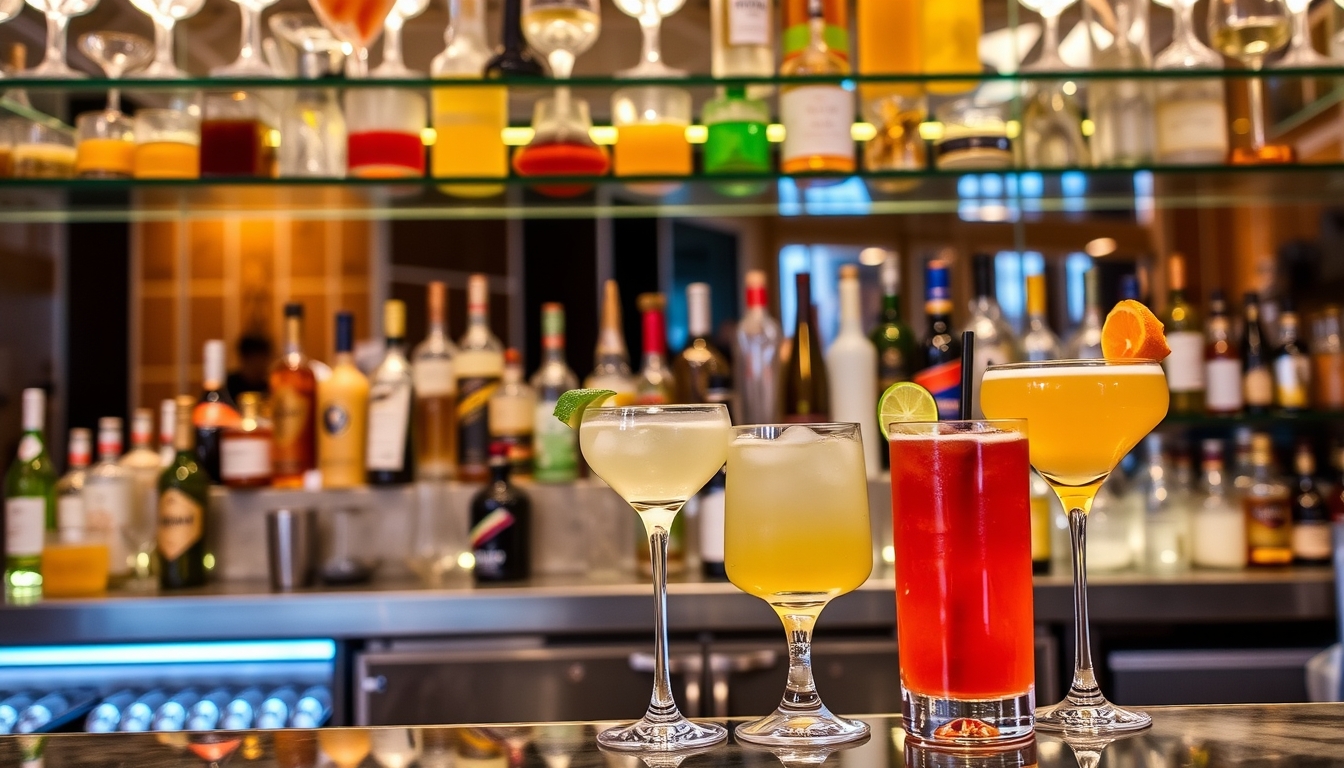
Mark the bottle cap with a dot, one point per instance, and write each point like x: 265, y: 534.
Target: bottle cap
x: 437, y: 298
x: 294, y: 309
x: 212, y: 371
x: 34, y: 409
x: 345, y: 332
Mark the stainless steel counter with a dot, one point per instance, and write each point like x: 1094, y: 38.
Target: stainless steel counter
x: 569, y: 606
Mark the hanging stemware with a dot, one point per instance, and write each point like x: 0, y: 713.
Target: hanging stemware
x: 251, y: 61
x: 165, y: 14
x: 402, y: 12
x: 650, y: 14
x: 58, y: 13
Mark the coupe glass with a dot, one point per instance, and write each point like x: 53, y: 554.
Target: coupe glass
x: 1050, y: 10
x: 560, y: 30
x: 650, y: 14
x: 1052, y: 124
x: 356, y: 23
x: 116, y: 53
x: 166, y: 14
x: 1249, y: 31
x: 1083, y: 416
x: 251, y: 61
x: 1300, y: 53
x: 656, y: 458
x: 797, y: 535
x: 58, y: 13
x: 392, y: 66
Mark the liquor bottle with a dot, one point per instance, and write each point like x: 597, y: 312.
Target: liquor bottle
x: 435, y: 393
x: 1242, y: 469
x: 467, y: 120
x: 555, y: 448
x: 1269, y: 514
x: 711, y: 504
x: 941, y: 374
x: 950, y: 42
x: 816, y: 118
x: 214, y: 413
x: 1222, y: 363
x: 501, y: 523
x: 1217, y: 525
x: 389, y: 452
x: 1191, y: 113
x: 611, y: 368
x: 478, y: 366
x: 701, y: 369
x: 512, y: 410
x: 797, y: 23
x: 657, y: 384
x: 1041, y: 495
x: 806, y: 388
x: 1039, y: 342
x: 167, y: 426
x: 1336, y: 495
x: 184, y: 497
x: 1165, y: 535
x: 293, y: 407
x: 70, y: 516
x: 1257, y: 383
x: 1292, y: 364
x: 109, y: 499
x: 757, y: 356
x: 895, y: 341
x: 144, y: 464
x: 245, y: 450
x: 741, y: 35
x: 30, y: 502
x: 995, y: 343
x: 889, y: 44
x: 1327, y: 359
x: 1085, y: 343
x: 736, y: 140
x: 513, y: 59
x: 1121, y: 110
x: 1185, y: 365
x: 851, y: 364
x: 1311, y: 516
x: 343, y: 403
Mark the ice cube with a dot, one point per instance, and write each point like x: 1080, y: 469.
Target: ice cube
x: 798, y: 435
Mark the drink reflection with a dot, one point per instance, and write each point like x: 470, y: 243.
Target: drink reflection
x: 803, y: 756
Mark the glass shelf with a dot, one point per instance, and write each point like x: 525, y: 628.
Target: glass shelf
x: 1276, y: 418
x: 1059, y: 195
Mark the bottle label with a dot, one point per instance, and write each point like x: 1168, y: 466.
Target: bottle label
x: 1291, y: 373
x: 473, y: 419
x: 1311, y: 541
x: 1222, y: 383
x: 816, y: 121
x: 335, y: 420
x: 1257, y: 387
x: 1184, y: 366
x: 556, y: 452
x: 30, y: 447
x: 711, y: 525
x: 1268, y: 522
x: 244, y: 458
x: 107, y: 514
x: 25, y: 522
x: 944, y: 382
x: 181, y: 523
x: 70, y: 517
x: 749, y: 22
x: 1183, y: 126
x: 389, y: 419
x: 433, y: 378
x: 291, y: 412
x: 490, y: 526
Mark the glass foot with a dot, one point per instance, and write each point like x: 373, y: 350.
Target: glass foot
x: 808, y: 727
x: 936, y: 720
x: 674, y: 734
x: 1101, y: 717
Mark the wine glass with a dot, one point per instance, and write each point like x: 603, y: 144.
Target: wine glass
x: 116, y: 53
x: 355, y: 23
x: 165, y: 15
x: 1249, y: 31
x: 1050, y: 11
x: 251, y: 62
x: 560, y: 30
x: 1300, y: 53
x: 650, y: 14
x: 392, y: 66
x: 58, y: 13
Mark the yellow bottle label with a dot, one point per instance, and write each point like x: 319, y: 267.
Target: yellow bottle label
x: 181, y: 523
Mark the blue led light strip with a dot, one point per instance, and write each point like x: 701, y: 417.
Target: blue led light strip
x: 169, y: 653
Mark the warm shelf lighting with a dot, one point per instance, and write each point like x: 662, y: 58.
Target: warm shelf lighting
x: 516, y: 137
x: 873, y: 256
x: 602, y: 134
x: 931, y: 131
x: 428, y: 136
x: 697, y: 134
x: 1102, y: 246
x: 774, y: 133
x: 863, y: 131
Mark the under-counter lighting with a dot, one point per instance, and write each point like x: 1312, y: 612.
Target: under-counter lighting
x: 168, y: 653
x: 1102, y: 246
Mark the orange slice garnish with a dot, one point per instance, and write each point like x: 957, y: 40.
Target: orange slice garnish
x: 1133, y: 332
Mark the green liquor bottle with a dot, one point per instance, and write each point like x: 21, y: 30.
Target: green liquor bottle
x: 736, y: 141
x: 184, y: 496
x: 894, y: 340
x: 30, y: 503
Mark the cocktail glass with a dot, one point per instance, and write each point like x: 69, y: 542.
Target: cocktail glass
x: 251, y: 61
x: 1250, y: 31
x: 58, y: 13
x: 1300, y: 52
x: 797, y: 535
x: 355, y: 23
x: 656, y: 458
x: 650, y: 14
x: 116, y: 53
x: 402, y: 12
x: 1083, y: 417
x: 165, y: 14
x: 560, y: 30
x: 961, y: 522
x: 1050, y: 10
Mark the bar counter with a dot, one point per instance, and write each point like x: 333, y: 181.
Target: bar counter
x: 570, y: 606
x: 1297, y: 735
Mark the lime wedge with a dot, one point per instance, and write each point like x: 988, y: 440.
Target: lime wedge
x: 905, y: 401
x: 571, y: 405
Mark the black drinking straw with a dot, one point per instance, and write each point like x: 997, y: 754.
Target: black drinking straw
x: 967, y: 371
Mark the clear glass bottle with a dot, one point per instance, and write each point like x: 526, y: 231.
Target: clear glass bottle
x: 1311, y: 516
x: 611, y: 367
x: 144, y: 464
x: 1222, y: 363
x: 1039, y: 342
x: 435, y: 392
x: 1166, y: 533
x: 70, y: 511
x: 478, y: 366
x: 1191, y: 113
x: 1185, y: 335
x: 313, y: 125
x: 995, y: 342
x: 1218, y: 529
x: 512, y: 411
x: 742, y: 43
x: 816, y: 117
x: 1269, y: 515
x: 390, y: 455
x: 109, y: 500
x: 555, y: 448
x: 1085, y: 343
x: 701, y: 369
x: 1121, y: 110
x: 759, y: 366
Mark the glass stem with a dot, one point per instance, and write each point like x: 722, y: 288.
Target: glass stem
x: 662, y: 707
x: 649, y: 24
x: 1257, y: 107
x: 1050, y: 42
x: 1301, y: 35
x: 800, y: 696
x: 392, y: 42
x: 114, y: 100
x: 251, y: 47
x: 56, y: 24
x: 1084, y: 691
x: 163, y: 40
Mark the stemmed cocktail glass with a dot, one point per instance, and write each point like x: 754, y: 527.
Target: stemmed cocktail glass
x: 1300, y: 51
x: 1250, y: 31
x: 393, y: 66
x: 116, y: 53
x: 251, y: 62
x: 1083, y: 416
x: 656, y: 458
x: 356, y: 23
x: 650, y: 15
x: 58, y: 13
x: 797, y: 536
x: 165, y: 14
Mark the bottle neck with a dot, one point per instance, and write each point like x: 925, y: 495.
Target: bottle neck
x: 655, y: 339
x: 499, y: 472
x: 109, y: 447
x: 850, y: 322
x: 293, y: 336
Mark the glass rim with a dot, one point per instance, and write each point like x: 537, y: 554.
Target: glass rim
x: 826, y: 426
x: 1013, y: 425
x: 1094, y: 362
x: 674, y: 407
